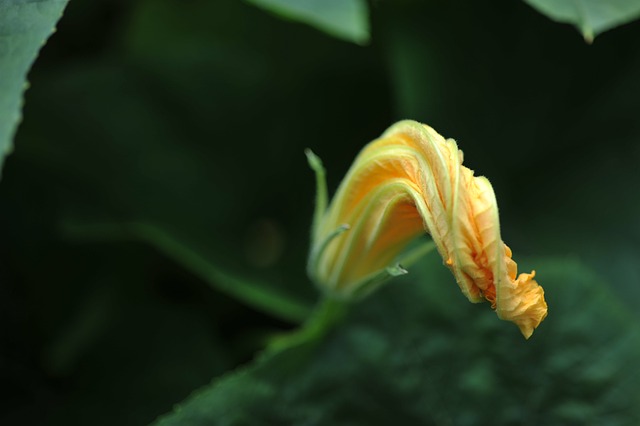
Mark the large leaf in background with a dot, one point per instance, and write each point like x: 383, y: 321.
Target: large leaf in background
x: 346, y: 19
x: 592, y: 17
x: 417, y: 353
x: 24, y: 27
x: 137, y: 144
x: 130, y: 349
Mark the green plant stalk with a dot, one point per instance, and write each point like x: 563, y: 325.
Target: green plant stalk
x: 256, y: 294
x: 328, y: 313
x: 331, y: 310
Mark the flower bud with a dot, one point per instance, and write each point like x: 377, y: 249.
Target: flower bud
x: 410, y: 181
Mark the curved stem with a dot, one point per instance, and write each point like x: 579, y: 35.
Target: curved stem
x: 329, y: 312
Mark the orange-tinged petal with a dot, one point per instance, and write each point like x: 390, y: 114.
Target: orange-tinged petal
x: 409, y: 181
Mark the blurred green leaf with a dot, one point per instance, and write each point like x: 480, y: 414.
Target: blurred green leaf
x: 134, y: 353
x: 24, y: 27
x: 135, y: 141
x: 592, y: 17
x: 345, y: 19
x: 416, y: 353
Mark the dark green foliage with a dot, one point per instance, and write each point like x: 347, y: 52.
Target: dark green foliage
x: 415, y: 353
x: 154, y: 218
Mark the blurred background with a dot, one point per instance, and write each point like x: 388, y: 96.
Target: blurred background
x: 158, y: 202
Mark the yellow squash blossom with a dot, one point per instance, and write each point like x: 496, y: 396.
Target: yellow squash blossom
x: 409, y: 181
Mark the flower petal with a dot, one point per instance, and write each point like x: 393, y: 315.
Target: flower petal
x: 412, y: 180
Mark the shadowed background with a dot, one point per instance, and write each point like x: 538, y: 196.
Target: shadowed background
x: 159, y: 186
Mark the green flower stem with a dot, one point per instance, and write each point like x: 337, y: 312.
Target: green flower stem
x: 256, y: 294
x: 328, y: 313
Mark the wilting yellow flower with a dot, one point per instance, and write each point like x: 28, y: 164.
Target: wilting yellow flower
x: 409, y: 181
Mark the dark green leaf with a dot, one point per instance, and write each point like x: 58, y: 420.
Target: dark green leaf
x: 417, y: 353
